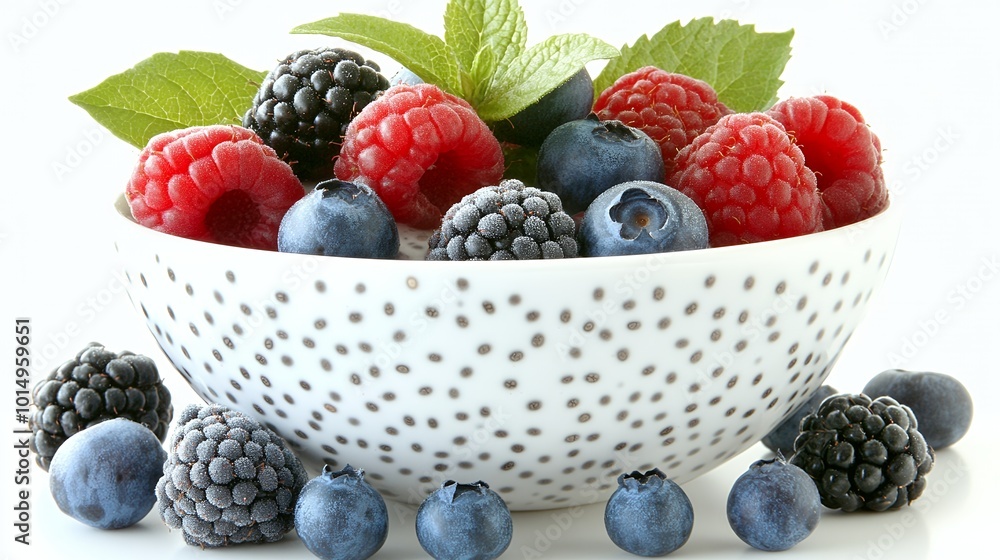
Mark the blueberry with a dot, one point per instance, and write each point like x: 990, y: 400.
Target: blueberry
x: 105, y: 476
x: 467, y: 521
x: 640, y: 217
x: 570, y: 101
x: 782, y: 438
x: 649, y: 514
x: 773, y: 506
x: 583, y: 158
x: 941, y: 403
x: 404, y: 76
x: 340, y: 516
x: 339, y: 219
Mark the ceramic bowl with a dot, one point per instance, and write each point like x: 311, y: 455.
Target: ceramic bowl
x: 546, y: 379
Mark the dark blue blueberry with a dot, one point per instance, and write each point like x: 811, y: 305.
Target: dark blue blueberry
x: 583, y: 158
x: 405, y: 76
x: 339, y: 516
x: 464, y: 521
x: 782, y: 437
x: 941, y: 404
x: 570, y: 101
x: 340, y: 219
x: 640, y: 217
x: 773, y: 506
x: 648, y: 515
x: 105, y: 476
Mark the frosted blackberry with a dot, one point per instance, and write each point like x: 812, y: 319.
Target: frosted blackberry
x: 305, y: 103
x: 505, y: 222
x: 863, y: 453
x: 228, y: 479
x: 96, y: 385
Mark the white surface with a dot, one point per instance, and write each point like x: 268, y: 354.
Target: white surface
x: 925, y: 75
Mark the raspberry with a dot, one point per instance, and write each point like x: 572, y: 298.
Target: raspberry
x: 306, y: 102
x: 213, y: 183
x: 672, y: 109
x: 750, y: 180
x: 421, y: 150
x: 843, y: 152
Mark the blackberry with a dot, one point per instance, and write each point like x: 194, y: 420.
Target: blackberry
x: 505, y: 222
x: 95, y: 386
x: 781, y: 439
x: 863, y: 453
x: 305, y: 103
x: 228, y: 479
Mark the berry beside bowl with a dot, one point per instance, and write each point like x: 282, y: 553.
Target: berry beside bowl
x: 546, y: 378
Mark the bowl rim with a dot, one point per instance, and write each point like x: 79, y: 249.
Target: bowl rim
x: 888, y: 217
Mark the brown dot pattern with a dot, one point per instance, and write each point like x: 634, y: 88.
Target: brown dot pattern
x: 429, y: 374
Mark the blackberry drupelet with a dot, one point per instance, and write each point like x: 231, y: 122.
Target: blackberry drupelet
x: 505, y: 222
x: 95, y: 386
x: 863, y: 453
x: 305, y: 103
x: 228, y: 479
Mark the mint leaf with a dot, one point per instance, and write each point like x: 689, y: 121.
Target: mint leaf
x: 484, y: 69
x: 472, y: 25
x: 743, y: 66
x: 168, y: 91
x: 424, y: 54
x: 539, y: 70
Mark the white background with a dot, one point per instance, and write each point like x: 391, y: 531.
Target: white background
x: 926, y: 75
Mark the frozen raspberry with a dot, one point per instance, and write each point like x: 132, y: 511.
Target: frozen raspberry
x: 672, y: 109
x: 421, y: 150
x: 843, y: 152
x: 213, y: 183
x: 750, y: 180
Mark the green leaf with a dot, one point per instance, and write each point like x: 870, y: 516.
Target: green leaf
x: 539, y: 70
x: 743, y: 65
x: 168, y: 91
x: 424, y: 54
x: 472, y: 25
x: 484, y: 69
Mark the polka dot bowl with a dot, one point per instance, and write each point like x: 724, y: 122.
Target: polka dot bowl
x: 545, y: 379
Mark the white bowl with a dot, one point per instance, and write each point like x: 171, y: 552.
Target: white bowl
x: 546, y: 379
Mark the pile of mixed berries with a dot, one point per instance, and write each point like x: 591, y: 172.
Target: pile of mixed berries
x: 656, y: 163
x: 332, y: 158
x: 226, y: 479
